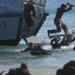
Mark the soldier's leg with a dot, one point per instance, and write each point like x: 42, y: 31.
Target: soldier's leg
x: 64, y: 27
x: 58, y: 26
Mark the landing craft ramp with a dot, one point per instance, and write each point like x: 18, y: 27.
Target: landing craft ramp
x: 40, y: 16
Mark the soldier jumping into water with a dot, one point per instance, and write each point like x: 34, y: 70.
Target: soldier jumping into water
x: 59, y: 24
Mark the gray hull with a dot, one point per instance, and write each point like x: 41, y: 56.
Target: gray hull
x: 10, y: 30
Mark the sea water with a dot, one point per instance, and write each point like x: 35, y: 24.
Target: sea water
x: 10, y: 57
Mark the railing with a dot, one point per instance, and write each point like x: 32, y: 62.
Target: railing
x: 38, y: 2
x: 12, y: 3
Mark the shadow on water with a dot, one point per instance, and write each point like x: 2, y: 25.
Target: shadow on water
x: 19, y: 46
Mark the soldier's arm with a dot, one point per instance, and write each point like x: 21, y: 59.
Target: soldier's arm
x: 70, y: 6
x: 68, y: 9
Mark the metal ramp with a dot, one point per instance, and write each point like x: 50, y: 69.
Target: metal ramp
x: 36, y: 41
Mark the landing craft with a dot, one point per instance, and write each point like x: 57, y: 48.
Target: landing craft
x: 12, y: 24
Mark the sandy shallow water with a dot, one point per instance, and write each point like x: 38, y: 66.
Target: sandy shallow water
x: 44, y: 71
